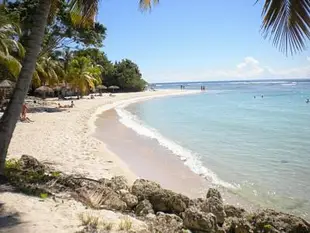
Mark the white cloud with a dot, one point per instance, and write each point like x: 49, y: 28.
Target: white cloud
x: 249, y: 68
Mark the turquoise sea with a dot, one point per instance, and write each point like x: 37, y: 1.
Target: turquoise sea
x: 251, y: 137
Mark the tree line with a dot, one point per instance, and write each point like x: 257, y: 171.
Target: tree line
x: 69, y: 56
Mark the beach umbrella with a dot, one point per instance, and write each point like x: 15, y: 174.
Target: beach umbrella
x: 7, y: 84
x: 113, y: 87
x: 101, y: 87
x: 43, y: 90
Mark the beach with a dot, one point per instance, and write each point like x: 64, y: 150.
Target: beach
x: 64, y: 140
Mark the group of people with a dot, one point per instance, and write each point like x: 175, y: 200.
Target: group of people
x: 203, y: 88
x: 262, y: 96
x: 182, y: 87
x: 66, y: 106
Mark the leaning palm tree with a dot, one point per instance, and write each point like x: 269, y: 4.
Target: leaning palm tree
x: 286, y: 21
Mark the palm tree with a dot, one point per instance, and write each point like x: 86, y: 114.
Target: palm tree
x: 287, y: 21
x: 49, y: 71
x: 83, y: 75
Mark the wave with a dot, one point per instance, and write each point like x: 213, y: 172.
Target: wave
x: 289, y: 84
x: 189, y: 158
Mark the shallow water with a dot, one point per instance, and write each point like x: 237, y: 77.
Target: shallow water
x: 258, y: 148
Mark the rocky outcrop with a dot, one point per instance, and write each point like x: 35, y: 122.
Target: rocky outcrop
x: 232, y: 211
x: 195, y: 220
x: 166, y: 223
x: 272, y: 221
x: 164, y: 200
x: 27, y: 162
x: 145, y: 198
x: 144, y: 208
x: 143, y: 189
x: 214, y: 204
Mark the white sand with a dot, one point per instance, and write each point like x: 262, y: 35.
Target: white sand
x: 64, y: 140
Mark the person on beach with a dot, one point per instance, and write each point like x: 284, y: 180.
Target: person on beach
x: 307, y: 101
x: 24, y: 111
x: 72, y: 104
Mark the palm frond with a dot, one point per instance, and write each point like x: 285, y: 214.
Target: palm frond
x: 147, y: 4
x: 11, y: 63
x: 83, y: 12
x: 287, y: 23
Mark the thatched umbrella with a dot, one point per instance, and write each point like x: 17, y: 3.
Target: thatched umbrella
x: 101, y: 87
x: 43, y: 90
x: 5, y: 86
x: 113, y: 87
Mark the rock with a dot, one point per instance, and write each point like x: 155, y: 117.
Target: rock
x: 166, y: 223
x: 237, y: 225
x: 28, y: 162
x: 130, y: 200
x: 214, y: 205
x: 119, y: 182
x: 144, y: 188
x: 232, y: 211
x: 144, y: 208
x: 164, y: 200
x: 105, y: 182
x: 195, y: 220
x: 212, y: 192
x: 274, y: 221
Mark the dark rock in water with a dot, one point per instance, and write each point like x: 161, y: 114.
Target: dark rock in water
x: 278, y: 222
x: 166, y: 223
x: 212, y: 192
x: 144, y: 208
x: 237, y: 225
x: 214, y: 204
x: 28, y: 162
x: 119, y: 182
x: 232, y: 211
x: 143, y: 189
x: 195, y: 220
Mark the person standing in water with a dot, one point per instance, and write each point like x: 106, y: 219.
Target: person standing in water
x: 307, y: 101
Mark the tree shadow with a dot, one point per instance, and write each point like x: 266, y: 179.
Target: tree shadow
x: 8, y: 220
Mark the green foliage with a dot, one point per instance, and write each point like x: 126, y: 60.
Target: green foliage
x: 125, y: 224
x: 43, y: 195
x: 127, y: 76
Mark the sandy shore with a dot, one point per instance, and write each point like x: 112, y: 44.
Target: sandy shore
x: 64, y: 140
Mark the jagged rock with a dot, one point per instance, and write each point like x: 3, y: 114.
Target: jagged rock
x: 144, y: 208
x: 195, y: 220
x: 197, y: 202
x: 232, y: 211
x: 212, y: 192
x: 119, y: 182
x: 237, y: 225
x: 130, y: 200
x: 144, y: 188
x: 164, y: 200
x: 166, y: 223
x: 28, y: 162
x: 214, y: 205
x: 278, y: 222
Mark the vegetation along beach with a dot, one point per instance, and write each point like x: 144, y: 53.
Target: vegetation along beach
x: 118, y: 119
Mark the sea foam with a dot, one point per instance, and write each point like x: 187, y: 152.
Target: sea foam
x: 190, y: 158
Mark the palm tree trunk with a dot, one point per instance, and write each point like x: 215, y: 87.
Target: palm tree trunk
x: 12, y: 112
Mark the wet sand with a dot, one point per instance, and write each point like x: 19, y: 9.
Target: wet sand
x: 147, y: 159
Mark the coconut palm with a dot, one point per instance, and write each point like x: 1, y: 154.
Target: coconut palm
x: 286, y: 21
x: 49, y: 71
x: 11, y: 51
x: 83, y: 75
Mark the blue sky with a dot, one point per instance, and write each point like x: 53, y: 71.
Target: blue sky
x: 196, y: 40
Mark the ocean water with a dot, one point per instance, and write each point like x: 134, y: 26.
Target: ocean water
x: 257, y: 148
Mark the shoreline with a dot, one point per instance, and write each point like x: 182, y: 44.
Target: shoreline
x: 64, y: 141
